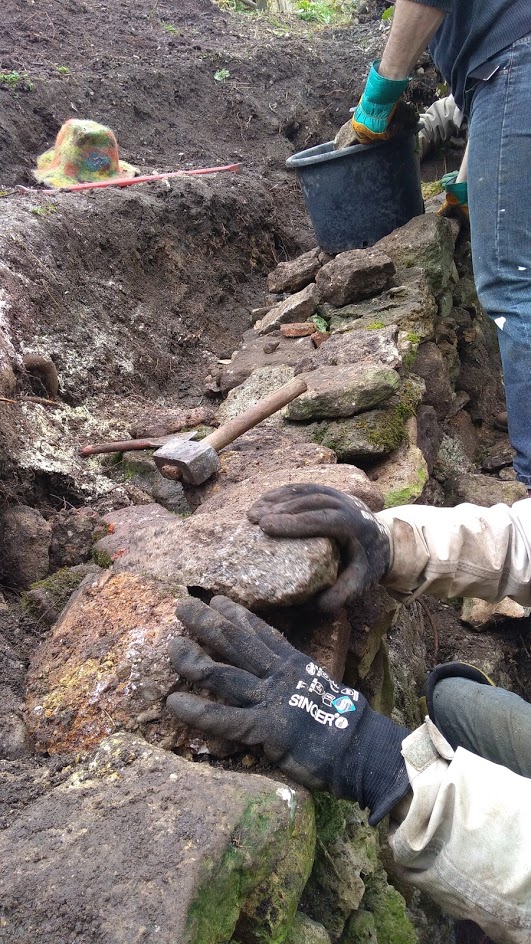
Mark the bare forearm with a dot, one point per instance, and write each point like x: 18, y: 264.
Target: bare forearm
x: 413, y: 26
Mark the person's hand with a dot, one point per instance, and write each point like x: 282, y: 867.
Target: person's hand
x: 380, y: 114
x: 456, y: 198
x: 322, y: 734
x: 316, y: 511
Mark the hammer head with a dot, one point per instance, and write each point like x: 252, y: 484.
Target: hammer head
x: 194, y: 461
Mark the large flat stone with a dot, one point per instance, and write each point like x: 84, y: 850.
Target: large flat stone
x: 410, y: 305
x: 140, y: 845
x: 222, y: 553
x: 343, y: 391
x: 378, y: 346
x: 219, y: 550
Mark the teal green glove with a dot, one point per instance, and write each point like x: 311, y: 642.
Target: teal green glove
x: 372, y: 118
x: 456, y: 199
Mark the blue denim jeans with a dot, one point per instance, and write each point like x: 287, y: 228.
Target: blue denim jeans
x: 499, y: 198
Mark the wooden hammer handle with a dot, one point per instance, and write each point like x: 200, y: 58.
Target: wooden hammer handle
x: 255, y: 414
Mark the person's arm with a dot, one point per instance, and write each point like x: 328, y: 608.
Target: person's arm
x: 463, y: 551
x: 412, y: 28
x: 380, y: 113
x: 466, y: 835
x: 448, y: 552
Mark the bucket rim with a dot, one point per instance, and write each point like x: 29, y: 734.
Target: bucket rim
x: 306, y: 158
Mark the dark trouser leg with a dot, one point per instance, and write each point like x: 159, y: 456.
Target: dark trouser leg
x: 491, y: 722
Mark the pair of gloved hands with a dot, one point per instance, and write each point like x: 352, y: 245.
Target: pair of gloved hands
x: 321, y: 733
x: 380, y: 115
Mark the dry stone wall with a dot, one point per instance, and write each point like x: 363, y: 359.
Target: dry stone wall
x: 402, y: 377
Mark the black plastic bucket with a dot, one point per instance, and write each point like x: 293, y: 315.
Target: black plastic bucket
x: 356, y: 195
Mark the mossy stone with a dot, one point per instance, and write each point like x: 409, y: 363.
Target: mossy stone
x: 388, y: 909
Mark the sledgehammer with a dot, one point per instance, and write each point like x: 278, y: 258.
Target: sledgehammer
x: 195, y: 462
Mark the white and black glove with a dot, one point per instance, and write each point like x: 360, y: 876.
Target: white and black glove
x: 319, y: 732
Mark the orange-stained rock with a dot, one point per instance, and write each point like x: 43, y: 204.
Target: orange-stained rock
x: 105, y: 666
x: 299, y: 329
x: 318, y: 337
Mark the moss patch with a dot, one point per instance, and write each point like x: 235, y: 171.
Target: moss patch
x: 388, y: 909
x: 59, y: 587
x: 259, y: 880
x: 406, y: 494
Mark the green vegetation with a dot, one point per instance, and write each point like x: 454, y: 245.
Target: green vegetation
x: 101, y: 558
x: 316, y: 12
x: 169, y: 27
x: 59, y: 587
x: 63, y: 70
x: 45, y: 210
x: 320, y: 323
x: 221, y: 75
x: 16, y: 81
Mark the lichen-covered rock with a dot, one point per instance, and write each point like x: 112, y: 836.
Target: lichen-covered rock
x: 346, y: 848
x: 305, y: 931
x: 343, y: 391
x: 260, y: 383
x: 139, y: 841
x: 388, y: 909
x: 372, y: 433
x: 139, y: 469
x: 482, y: 489
x: 426, y: 241
x: 270, y: 908
x: 403, y: 475
x: 46, y: 598
x: 256, y: 351
x: 359, y: 273
x: 294, y: 275
x: 25, y: 538
x: 377, y: 346
x: 409, y: 305
x: 298, y: 307
x: 104, y: 665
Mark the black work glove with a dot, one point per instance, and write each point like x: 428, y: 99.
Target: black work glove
x: 322, y: 734
x: 316, y: 511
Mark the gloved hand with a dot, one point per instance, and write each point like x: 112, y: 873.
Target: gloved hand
x: 378, y: 106
x: 322, y: 734
x: 316, y: 511
x: 456, y: 198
